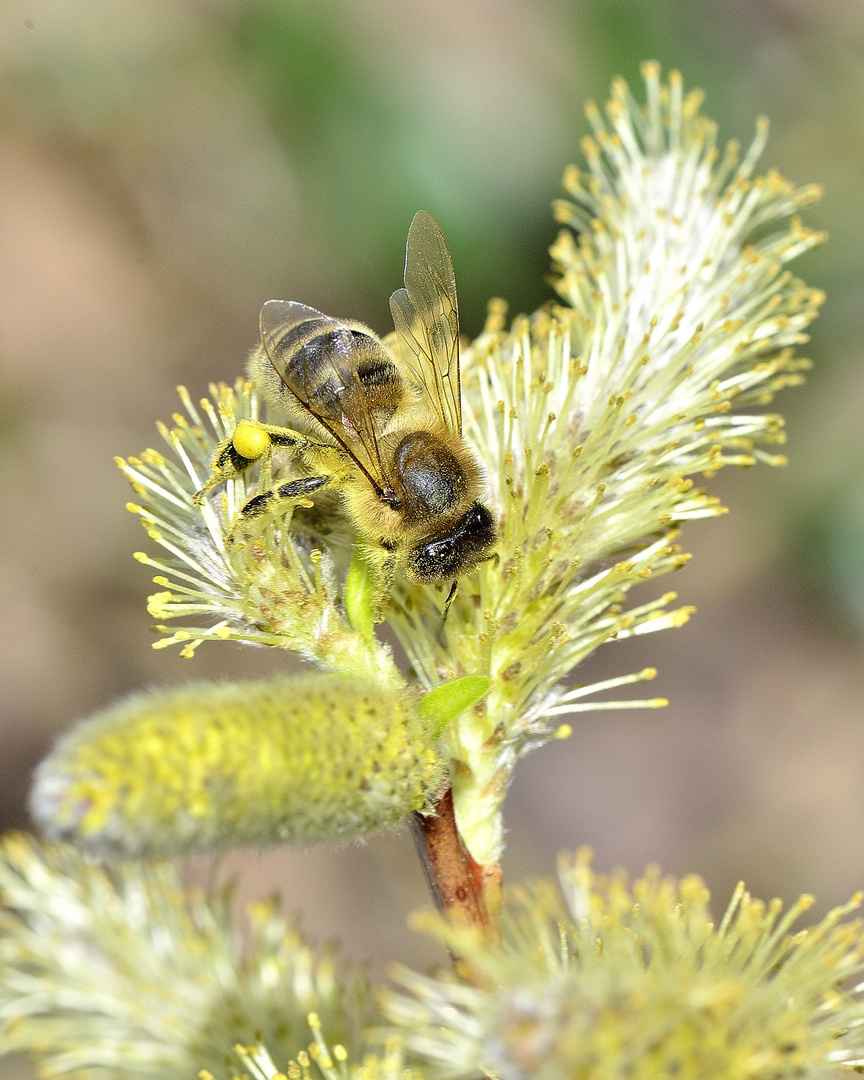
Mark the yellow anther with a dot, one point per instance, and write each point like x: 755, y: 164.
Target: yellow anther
x: 563, y: 731
x: 250, y: 441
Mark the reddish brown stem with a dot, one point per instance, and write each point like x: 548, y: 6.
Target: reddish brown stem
x: 462, y: 888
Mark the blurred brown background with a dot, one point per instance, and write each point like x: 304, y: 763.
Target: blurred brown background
x: 167, y: 166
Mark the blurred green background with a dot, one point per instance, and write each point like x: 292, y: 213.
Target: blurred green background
x: 167, y: 166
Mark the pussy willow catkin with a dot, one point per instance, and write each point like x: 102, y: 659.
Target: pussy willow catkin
x: 293, y: 759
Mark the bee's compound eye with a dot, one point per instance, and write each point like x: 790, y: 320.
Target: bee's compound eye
x: 434, y: 561
x: 250, y: 441
x: 456, y: 552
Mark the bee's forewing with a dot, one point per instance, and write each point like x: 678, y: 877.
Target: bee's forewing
x: 426, y: 317
x: 320, y: 370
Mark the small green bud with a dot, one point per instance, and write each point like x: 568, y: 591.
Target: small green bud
x: 359, y: 596
x: 300, y: 760
x: 443, y: 704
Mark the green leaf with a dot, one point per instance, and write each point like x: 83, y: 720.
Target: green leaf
x: 442, y: 705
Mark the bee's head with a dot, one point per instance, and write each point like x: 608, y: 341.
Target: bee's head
x: 448, y: 554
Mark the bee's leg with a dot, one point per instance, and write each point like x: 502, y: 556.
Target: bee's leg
x: 454, y: 588
x: 227, y: 463
x: 250, y: 442
x: 290, y: 491
x: 451, y: 596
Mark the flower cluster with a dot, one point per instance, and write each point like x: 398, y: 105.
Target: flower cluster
x: 606, y: 980
x: 213, y: 765
x: 277, y: 581
x: 676, y: 322
x: 120, y: 973
x: 592, y: 417
x: 676, y: 317
x: 117, y: 973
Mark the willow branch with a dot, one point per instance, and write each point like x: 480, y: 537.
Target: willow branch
x: 464, y: 891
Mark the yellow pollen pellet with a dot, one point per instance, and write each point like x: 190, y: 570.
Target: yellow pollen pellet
x: 250, y: 441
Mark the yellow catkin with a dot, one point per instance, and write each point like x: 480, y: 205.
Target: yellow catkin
x: 292, y: 759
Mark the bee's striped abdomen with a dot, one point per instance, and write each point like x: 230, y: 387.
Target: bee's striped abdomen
x: 306, y: 351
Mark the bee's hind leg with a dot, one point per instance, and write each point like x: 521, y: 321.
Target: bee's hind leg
x: 226, y: 465
x: 251, y: 441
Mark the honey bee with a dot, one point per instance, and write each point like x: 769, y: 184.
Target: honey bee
x: 384, y: 429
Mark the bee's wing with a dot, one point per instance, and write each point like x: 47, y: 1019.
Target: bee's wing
x: 426, y: 318
x: 313, y: 355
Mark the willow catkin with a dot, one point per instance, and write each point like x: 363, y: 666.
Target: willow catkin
x: 204, y: 766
